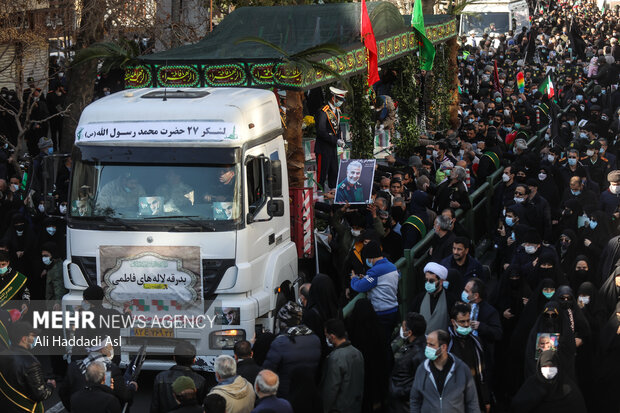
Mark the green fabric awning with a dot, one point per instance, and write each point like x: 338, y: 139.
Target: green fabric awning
x: 218, y: 60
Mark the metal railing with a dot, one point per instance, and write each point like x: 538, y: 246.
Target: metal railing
x: 476, y: 222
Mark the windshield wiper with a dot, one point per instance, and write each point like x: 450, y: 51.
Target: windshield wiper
x: 118, y: 221
x: 186, y: 219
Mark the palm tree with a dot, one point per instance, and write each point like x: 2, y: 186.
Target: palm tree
x: 114, y: 55
x: 306, y: 61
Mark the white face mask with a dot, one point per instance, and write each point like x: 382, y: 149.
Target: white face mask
x: 402, y: 334
x: 542, y: 176
x: 329, y: 343
x: 505, y: 177
x: 356, y: 232
x: 550, y: 158
x: 63, y: 209
x: 41, y: 208
x: 614, y: 189
x: 530, y: 249
x: 549, y: 372
x: 584, y: 299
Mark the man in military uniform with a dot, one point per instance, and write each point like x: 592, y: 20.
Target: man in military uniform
x: 597, y: 165
x: 14, y: 295
x: 350, y: 189
x: 328, y: 138
x: 22, y: 385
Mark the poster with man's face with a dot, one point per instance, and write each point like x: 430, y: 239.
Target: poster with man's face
x: 355, y: 177
x: 546, y: 341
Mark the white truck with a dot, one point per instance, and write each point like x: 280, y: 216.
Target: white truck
x: 179, y: 205
x: 493, y: 17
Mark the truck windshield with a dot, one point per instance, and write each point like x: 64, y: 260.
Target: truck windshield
x: 150, y: 194
x: 489, y: 22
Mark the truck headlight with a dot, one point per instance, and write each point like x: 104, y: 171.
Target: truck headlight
x: 225, y: 339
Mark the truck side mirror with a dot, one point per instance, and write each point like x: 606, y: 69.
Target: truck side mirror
x: 275, y: 208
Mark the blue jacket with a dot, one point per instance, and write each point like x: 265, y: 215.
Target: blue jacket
x: 273, y: 403
x: 609, y: 202
x: 381, y: 286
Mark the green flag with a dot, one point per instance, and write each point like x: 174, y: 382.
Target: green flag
x: 427, y: 50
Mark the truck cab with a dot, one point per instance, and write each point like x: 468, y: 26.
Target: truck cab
x: 179, y: 210
x: 494, y: 18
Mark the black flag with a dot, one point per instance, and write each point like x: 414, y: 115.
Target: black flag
x: 530, y: 50
x: 576, y: 41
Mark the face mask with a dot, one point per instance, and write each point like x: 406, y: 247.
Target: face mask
x: 15, y: 187
x: 356, y: 232
x: 603, y: 91
x: 530, y: 249
x: 542, y: 176
x: 463, y: 330
x: 510, y: 221
x: 127, y: 189
x: 604, y: 118
x: 3, y: 270
x: 19, y: 233
x: 368, y: 263
x: 549, y: 294
x: 589, y: 152
x: 549, y: 372
x: 41, y: 208
x: 402, y: 334
x: 576, y: 193
x: 46, y: 260
x: 520, y: 100
x: 517, y: 125
x: 464, y: 296
x: 491, y: 122
x: 579, y: 98
x: 506, y: 112
x: 435, y: 154
x: 51, y: 230
x: 505, y: 177
x: 111, y: 355
x: 614, y: 189
x: 550, y: 158
x: 584, y: 299
x: 583, y: 135
x: 571, y: 123
x: 461, y: 153
x: 593, y: 224
x: 498, y: 100
x: 329, y: 344
x: 470, y: 120
x: 62, y: 209
x: 50, y: 151
x: 31, y: 345
x: 338, y: 103
x: 430, y: 287
x: 86, y: 305
x: 446, y: 284
x: 430, y: 353
x: 518, y: 200
x: 572, y: 161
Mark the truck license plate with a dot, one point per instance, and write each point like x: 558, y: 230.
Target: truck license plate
x: 152, y: 332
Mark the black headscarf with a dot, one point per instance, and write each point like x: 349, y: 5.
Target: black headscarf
x: 576, y: 278
x: 609, y: 258
x: 558, y: 324
x: 566, y: 254
x: 593, y: 310
x: 553, y: 395
x: 579, y: 323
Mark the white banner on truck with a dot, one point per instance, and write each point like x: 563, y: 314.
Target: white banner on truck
x: 155, y: 131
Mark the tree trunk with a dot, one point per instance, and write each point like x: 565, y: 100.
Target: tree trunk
x: 295, y: 156
x: 82, y: 78
x: 453, y: 51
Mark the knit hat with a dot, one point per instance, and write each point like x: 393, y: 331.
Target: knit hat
x: 437, y: 269
x: 372, y: 250
x: 290, y: 314
x: 183, y: 383
x: 45, y: 142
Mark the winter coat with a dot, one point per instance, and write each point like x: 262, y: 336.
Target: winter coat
x: 98, y: 398
x: 239, y: 395
x: 162, y: 399
x: 343, y: 380
x: 289, y: 353
x: 459, y: 392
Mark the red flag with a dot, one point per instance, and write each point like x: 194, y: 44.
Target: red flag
x: 368, y: 38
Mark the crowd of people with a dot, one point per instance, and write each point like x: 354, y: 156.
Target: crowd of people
x: 532, y: 325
